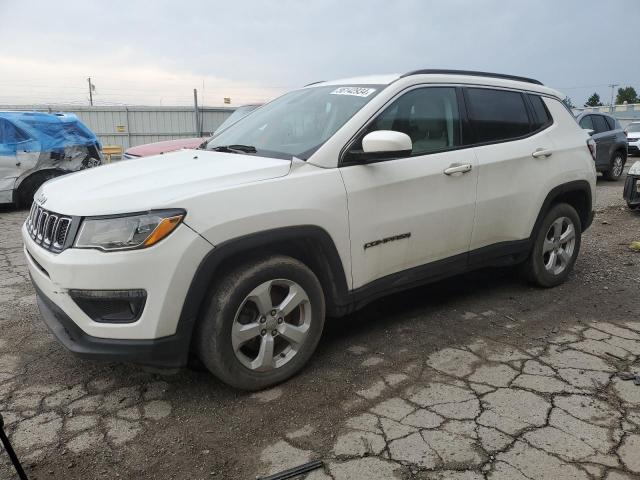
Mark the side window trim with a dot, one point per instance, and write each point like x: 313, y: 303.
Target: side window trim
x: 467, y: 131
x: 530, y: 113
x: 467, y: 135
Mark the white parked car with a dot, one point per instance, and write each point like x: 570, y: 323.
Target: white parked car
x: 633, y: 137
x: 318, y: 203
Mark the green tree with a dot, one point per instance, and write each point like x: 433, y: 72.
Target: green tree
x: 627, y: 94
x: 567, y: 101
x: 593, y: 101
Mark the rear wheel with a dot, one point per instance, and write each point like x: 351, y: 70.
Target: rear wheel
x: 616, y: 168
x: 555, y: 247
x: 262, y: 323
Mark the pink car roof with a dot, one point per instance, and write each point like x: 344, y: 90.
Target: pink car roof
x: 164, y: 147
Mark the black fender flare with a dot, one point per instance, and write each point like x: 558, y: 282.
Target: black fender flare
x: 581, y: 186
x: 333, y: 279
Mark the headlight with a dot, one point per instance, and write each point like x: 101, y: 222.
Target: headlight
x: 128, y: 232
x: 635, y: 169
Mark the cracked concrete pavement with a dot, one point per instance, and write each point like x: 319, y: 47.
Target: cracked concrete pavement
x: 491, y: 410
x: 477, y: 377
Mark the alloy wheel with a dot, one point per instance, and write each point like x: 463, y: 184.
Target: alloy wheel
x: 271, y: 325
x: 559, y: 244
x: 618, y: 166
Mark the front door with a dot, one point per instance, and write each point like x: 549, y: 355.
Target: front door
x: 409, y: 212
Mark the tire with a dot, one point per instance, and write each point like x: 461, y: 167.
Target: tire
x: 552, y: 267
x: 29, y: 187
x: 239, y: 302
x: 616, y: 168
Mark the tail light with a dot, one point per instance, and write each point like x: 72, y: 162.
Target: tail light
x: 591, y: 144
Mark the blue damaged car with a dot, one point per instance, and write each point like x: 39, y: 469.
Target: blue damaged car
x: 35, y: 147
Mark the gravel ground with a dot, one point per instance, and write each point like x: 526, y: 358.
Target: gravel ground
x: 479, y: 376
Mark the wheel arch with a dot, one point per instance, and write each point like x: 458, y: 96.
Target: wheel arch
x: 577, y: 194
x: 623, y: 149
x: 310, y: 244
x: 34, y: 173
x: 29, y: 175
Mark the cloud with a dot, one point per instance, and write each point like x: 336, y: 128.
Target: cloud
x: 148, y: 50
x: 41, y: 81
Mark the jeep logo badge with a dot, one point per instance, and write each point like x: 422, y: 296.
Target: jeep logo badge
x: 41, y: 199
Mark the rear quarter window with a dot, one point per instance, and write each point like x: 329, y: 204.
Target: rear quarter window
x: 541, y: 116
x: 497, y: 115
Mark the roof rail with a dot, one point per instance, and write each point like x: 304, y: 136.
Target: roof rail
x: 313, y: 83
x: 474, y: 74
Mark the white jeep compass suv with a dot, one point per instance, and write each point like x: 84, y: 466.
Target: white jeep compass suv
x: 315, y: 204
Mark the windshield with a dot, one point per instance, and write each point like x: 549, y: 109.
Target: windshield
x: 633, y: 127
x: 237, y: 114
x: 298, y: 123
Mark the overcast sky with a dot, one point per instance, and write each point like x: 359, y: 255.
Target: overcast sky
x: 156, y: 52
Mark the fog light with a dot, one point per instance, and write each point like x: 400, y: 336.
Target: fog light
x: 111, y: 306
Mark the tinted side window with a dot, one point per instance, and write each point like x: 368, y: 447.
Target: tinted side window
x: 541, y: 115
x: 611, y: 123
x: 587, y: 123
x: 600, y: 124
x: 497, y: 114
x: 428, y: 115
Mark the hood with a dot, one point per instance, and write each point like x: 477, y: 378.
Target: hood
x: 158, y: 148
x: 157, y: 182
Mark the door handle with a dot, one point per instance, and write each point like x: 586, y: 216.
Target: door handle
x: 457, y: 168
x: 542, y: 152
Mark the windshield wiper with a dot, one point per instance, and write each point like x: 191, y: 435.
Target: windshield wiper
x: 235, y: 149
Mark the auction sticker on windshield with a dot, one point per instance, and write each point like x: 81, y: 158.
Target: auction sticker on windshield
x: 355, y: 91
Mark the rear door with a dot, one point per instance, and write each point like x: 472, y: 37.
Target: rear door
x: 412, y: 211
x: 604, y: 138
x: 514, y: 153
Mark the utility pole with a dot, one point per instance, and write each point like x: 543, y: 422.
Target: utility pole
x: 195, y: 107
x: 92, y: 87
x: 612, y: 85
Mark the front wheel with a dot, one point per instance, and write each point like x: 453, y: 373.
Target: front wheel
x: 555, y: 247
x: 262, y: 323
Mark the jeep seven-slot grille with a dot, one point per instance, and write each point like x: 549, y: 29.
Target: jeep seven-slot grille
x: 48, y: 229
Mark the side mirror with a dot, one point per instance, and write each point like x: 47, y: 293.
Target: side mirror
x: 589, y: 131
x: 385, y: 144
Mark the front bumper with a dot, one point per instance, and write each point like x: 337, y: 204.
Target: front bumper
x: 631, y: 191
x: 169, y: 352
x: 634, y: 149
x: 164, y: 271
